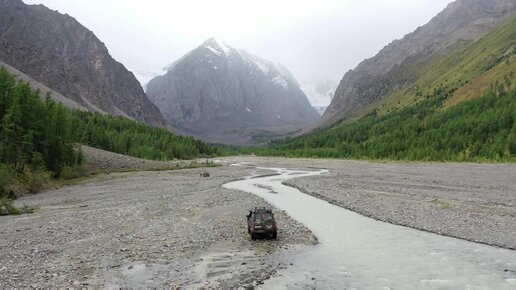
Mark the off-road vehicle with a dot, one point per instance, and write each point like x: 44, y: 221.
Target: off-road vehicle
x: 261, y: 222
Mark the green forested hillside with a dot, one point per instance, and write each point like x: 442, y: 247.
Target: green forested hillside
x: 42, y: 134
x: 481, y: 129
x: 124, y: 136
x: 461, y: 107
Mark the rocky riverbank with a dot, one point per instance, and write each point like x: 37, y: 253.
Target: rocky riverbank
x: 166, y: 228
x: 97, y: 160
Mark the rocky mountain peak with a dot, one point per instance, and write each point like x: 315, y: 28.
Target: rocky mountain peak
x: 227, y: 95
x: 217, y: 47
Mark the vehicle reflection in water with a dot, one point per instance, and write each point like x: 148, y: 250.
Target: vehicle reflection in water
x: 360, y: 252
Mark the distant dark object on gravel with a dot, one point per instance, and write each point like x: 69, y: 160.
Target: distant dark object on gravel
x: 204, y: 174
x: 261, y: 222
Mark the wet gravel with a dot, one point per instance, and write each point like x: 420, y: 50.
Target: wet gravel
x: 144, y: 229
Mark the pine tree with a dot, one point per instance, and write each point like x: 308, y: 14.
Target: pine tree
x: 14, y: 132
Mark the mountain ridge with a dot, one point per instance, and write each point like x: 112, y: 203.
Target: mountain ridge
x: 395, y: 66
x: 57, y: 51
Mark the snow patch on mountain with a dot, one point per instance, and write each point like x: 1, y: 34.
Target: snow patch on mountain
x: 280, y: 81
x: 217, y: 47
x: 320, y: 93
x: 277, y: 73
x: 222, y: 45
x: 263, y: 65
x: 214, y: 50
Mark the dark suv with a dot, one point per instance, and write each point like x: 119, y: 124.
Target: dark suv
x: 260, y: 221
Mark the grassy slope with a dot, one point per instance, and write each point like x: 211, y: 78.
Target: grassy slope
x: 477, y: 86
x: 460, y: 67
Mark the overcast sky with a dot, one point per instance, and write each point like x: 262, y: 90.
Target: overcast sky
x: 314, y: 39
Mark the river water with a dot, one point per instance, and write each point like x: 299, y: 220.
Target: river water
x: 356, y: 252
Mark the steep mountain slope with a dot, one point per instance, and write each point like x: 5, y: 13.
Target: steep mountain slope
x: 44, y: 90
x: 400, y: 64
x: 503, y: 72
x: 59, y: 52
x: 225, y: 95
x: 487, y: 61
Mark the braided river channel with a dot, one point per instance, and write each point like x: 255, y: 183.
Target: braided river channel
x: 356, y: 252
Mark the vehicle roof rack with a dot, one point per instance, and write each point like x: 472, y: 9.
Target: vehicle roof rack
x: 262, y: 208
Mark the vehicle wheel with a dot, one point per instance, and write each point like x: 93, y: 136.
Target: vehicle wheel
x: 253, y: 237
x: 274, y: 235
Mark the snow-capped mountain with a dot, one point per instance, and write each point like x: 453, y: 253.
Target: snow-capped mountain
x: 320, y: 93
x: 226, y: 95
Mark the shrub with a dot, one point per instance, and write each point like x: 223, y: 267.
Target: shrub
x: 511, y: 143
x: 75, y: 171
x: 7, y: 207
x: 36, y: 179
x: 6, y: 179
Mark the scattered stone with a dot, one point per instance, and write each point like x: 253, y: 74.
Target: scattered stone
x: 129, y: 217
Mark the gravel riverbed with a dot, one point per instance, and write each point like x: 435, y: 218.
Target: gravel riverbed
x: 144, y: 229
x: 175, y: 228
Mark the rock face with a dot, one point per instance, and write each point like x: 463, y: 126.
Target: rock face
x: 395, y: 66
x: 44, y: 90
x: 59, y: 52
x: 224, y: 95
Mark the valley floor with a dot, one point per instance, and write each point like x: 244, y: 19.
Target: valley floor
x: 172, y: 228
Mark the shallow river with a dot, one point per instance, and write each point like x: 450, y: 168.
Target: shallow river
x: 359, y: 252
